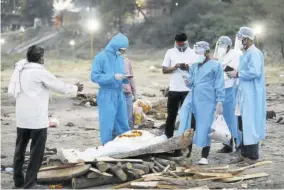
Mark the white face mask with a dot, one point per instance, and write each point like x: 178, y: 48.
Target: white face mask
x: 221, y: 52
x: 200, y: 59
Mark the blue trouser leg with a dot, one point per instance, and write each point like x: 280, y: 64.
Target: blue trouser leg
x: 121, y: 119
x: 107, y: 111
x: 129, y: 104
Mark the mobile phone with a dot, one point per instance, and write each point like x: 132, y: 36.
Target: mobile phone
x: 228, y: 68
x: 183, y: 66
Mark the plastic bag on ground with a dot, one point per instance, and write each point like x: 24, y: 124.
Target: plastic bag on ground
x: 220, y: 131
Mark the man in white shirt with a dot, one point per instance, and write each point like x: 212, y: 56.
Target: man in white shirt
x: 176, y: 63
x: 229, y: 58
x: 30, y: 85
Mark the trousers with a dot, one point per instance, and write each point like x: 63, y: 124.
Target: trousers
x: 38, y: 137
x: 205, y: 150
x: 248, y: 151
x: 129, y: 105
x: 175, y: 100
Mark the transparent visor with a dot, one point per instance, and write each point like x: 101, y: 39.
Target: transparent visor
x: 239, y: 36
x: 198, y: 50
x: 220, y: 50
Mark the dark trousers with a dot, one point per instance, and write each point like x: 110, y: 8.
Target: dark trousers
x: 205, y: 150
x: 248, y: 151
x: 38, y: 137
x: 175, y: 100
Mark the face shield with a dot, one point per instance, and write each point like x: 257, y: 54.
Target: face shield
x: 220, y: 51
x: 221, y: 47
x: 200, y: 49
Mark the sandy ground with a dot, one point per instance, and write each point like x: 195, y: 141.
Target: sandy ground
x: 85, y: 133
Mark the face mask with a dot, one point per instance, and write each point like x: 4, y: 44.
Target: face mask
x: 201, y: 59
x: 221, y: 53
x: 183, y: 47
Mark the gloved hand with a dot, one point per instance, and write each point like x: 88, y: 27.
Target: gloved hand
x: 232, y: 74
x: 119, y: 76
x: 219, y: 108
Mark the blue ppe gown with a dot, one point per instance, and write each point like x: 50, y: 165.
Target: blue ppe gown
x: 252, y: 96
x: 207, y: 88
x: 111, y: 99
x: 231, y: 119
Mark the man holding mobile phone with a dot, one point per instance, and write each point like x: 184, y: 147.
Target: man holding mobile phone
x: 178, y: 58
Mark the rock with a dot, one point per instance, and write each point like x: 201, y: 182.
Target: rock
x: 3, y: 156
x: 245, y: 186
x: 270, y: 114
x: 70, y: 124
x: 149, y: 95
x: 6, y: 123
x: 88, y: 104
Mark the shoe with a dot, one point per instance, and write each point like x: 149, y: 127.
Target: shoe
x: 247, y: 162
x: 17, y: 187
x: 225, y: 149
x: 203, y: 161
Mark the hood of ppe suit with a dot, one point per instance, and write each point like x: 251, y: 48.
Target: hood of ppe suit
x: 117, y: 42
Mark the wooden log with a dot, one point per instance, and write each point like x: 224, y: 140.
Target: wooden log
x: 62, y: 174
x: 149, y: 164
x: 244, y: 177
x: 171, y: 144
x: 200, y: 188
x: 125, y: 167
x: 100, y: 173
x: 124, y: 185
x: 92, y: 175
x: 102, y: 166
x: 176, y: 159
x: 251, y: 166
x: 111, y: 159
x: 165, y: 162
x: 157, y: 169
x: 83, y: 182
x: 144, y: 168
x: 161, y: 167
x: 58, y: 167
x: 118, y: 172
x: 138, y: 171
x: 150, y: 184
x: 209, y: 175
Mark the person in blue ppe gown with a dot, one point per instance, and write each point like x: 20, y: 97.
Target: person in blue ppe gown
x: 108, y: 72
x: 251, y: 96
x: 229, y: 58
x: 206, y: 81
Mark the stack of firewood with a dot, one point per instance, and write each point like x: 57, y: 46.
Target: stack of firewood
x: 108, y: 170
x: 195, y: 176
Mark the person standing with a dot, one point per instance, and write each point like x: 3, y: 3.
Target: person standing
x: 30, y: 84
x: 251, y: 96
x: 206, y: 81
x: 129, y: 91
x: 229, y: 58
x: 108, y: 71
x: 176, y: 63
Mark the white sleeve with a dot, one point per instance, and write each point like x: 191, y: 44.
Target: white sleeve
x: 56, y: 85
x: 167, y: 60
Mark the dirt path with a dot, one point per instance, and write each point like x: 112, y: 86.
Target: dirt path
x: 85, y: 133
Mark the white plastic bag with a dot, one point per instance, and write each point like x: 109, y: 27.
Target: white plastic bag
x: 220, y: 130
